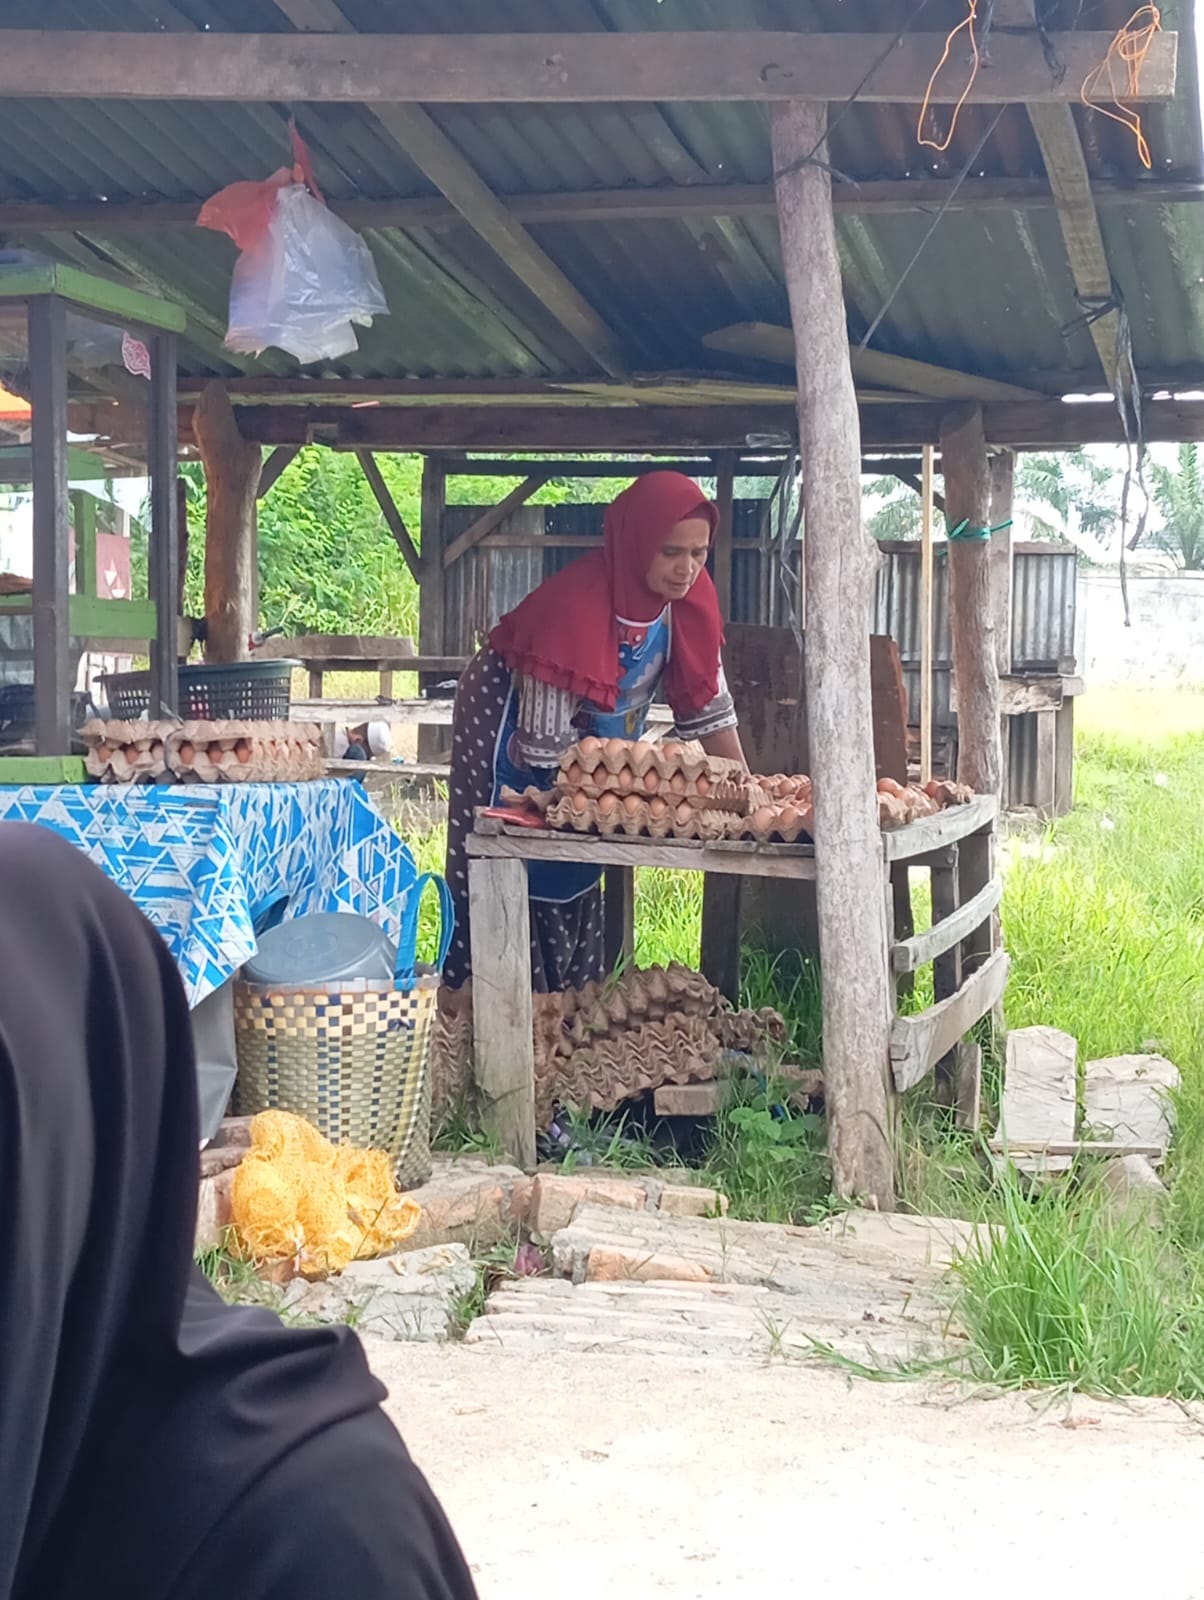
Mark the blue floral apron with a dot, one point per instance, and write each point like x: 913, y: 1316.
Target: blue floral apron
x: 643, y: 652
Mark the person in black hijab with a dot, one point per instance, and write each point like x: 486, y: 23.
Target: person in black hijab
x: 156, y: 1443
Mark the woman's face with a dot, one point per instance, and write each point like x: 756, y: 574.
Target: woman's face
x: 676, y: 565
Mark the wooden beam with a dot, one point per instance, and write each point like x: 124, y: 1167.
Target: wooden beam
x: 1003, y: 480
x: 1033, y: 425
x: 840, y: 564
x: 503, y: 1037
x: 908, y: 955
x: 273, y: 468
x: 918, y: 1042
x: 232, y: 467
x: 927, y: 632
x: 971, y: 608
x: 725, y: 489
x: 492, y: 518
x: 420, y: 138
x: 882, y: 197
x: 389, y: 511
x: 51, y: 526
x: 764, y: 341
x: 432, y: 591
x: 547, y: 68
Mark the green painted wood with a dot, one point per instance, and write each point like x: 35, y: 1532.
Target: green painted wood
x: 42, y: 769
x: 93, y: 618
x: 83, y: 508
x: 98, y: 294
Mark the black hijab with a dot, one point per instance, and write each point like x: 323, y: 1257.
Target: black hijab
x: 147, y: 1429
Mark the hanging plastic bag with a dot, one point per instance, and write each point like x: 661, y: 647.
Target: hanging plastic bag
x: 303, y: 279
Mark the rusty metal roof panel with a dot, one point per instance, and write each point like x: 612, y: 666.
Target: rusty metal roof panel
x: 989, y: 292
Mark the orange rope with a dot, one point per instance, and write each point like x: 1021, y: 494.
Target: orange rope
x: 968, y: 24
x: 1129, y: 48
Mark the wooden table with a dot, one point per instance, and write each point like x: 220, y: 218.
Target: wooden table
x: 956, y: 846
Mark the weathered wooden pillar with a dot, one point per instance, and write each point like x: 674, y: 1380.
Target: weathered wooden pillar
x: 1003, y: 481
x: 839, y: 562
x: 967, y: 475
x: 232, y: 468
x: 432, y: 741
x: 725, y: 490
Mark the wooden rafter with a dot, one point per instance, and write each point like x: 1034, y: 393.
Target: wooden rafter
x: 417, y: 133
x: 884, y: 197
x: 763, y: 341
x: 481, y: 69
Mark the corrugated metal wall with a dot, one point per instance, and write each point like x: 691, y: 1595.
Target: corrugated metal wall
x: 488, y: 581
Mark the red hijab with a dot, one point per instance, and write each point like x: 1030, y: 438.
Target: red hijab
x: 566, y: 632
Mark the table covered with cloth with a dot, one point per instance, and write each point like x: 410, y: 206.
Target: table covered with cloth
x: 209, y: 864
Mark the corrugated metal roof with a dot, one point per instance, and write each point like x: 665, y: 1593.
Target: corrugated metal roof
x: 991, y: 293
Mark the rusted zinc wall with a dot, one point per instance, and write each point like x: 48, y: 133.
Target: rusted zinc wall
x: 490, y: 579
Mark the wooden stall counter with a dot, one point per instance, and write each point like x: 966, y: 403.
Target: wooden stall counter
x: 970, y: 971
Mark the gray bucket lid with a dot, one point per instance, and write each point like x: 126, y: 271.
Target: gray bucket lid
x: 321, y: 947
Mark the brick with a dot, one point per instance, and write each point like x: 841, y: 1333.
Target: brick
x: 213, y: 1214
x: 688, y: 1200
x: 233, y: 1132
x: 220, y: 1159
x: 466, y: 1203
x: 555, y: 1199
x: 620, y: 1263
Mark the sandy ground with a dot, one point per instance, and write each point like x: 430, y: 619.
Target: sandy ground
x: 594, y: 1476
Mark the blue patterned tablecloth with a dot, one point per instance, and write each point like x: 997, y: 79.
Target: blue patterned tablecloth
x: 206, y: 863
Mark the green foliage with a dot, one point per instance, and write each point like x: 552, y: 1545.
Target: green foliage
x: 770, y: 1161
x: 1079, y: 492
x: 893, y: 510
x: 1178, y: 493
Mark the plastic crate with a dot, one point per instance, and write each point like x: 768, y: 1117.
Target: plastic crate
x: 245, y: 691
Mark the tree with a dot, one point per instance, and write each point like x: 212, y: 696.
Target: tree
x: 1081, y: 491
x: 1178, y: 494
x: 893, y: 510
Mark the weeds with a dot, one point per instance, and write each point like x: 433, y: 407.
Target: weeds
x: 769, y: 1160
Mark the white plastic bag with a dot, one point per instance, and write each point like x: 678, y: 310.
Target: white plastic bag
x: 304, y: 285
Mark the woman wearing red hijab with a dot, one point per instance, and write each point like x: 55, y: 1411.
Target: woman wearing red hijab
x: 588, y: 652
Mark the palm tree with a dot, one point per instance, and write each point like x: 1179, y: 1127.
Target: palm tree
x: 1081, y: 492
x: 896, y: 513
x: 1178, y: 493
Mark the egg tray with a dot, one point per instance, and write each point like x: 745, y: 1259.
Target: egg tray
x: 246, y: 752
x: 126, y: 752
x: 636, y: 820
x: 669, y: 760
x: 782, y: 788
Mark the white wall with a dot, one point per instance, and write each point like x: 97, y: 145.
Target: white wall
x: 1164, y: 644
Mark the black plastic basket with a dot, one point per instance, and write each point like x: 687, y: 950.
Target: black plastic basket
x: 17, y: 710
x: 246, y: 691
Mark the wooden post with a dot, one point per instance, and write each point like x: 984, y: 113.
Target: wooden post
x: 971, y: 610
x: 503, y: 1029
x: 947, y: 968
x: 164, y: 552
x: 232, y: 468
x: 839, y: 562
x: 1003, y: 479
x: 725, y: 490
x: 51, y: 527
x: 431, y: 598
x: 926, y: 612
x: 181, y: 541
x: 722, y: 908
x: 618, y: 916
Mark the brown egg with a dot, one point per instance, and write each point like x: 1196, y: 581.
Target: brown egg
x: 599, y: 777
x: 702, y: 784
x: 632, y: 804
x: 242, y: 751
x: 641, y: 750
x: 130, y: 752
x: 677, y: 783
x: 156, y: 750
x: 589, y: 746
x: 215, y: 751
x: 575, y: 774
x: 658, y: 807
x: 103, y: 753
x: 652, y: 780
x: 762, y: 819
x: 889, y: 786
x: 626, y: 779
x: 579, y: 800
x: 607, y: 804
x: 683, y: 815
x: 187, y: 754
x: 788, y: 818
x: 615, y: 748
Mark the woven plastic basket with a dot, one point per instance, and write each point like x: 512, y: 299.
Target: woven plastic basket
x: 355, y: 1062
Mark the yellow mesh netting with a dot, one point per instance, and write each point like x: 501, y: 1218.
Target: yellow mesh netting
x: 295, y: 1194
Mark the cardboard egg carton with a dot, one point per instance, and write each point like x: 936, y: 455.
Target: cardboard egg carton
x: 610, y: 814
x: 126, y: 752
x: 774, y: 823
x: 246, y: 752
x: 601, y: 766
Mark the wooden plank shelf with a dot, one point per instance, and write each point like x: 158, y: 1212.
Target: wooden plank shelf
x: 743, y: 858
x: 947, y: 827
x: 918, y: 1043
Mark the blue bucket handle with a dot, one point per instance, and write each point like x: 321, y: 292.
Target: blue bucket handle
x: 407, y: 944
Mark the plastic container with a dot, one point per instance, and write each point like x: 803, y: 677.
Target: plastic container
x: 325, y: 947
x: 249, y: 691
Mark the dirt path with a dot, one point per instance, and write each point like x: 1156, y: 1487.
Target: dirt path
x: 599, y: 1476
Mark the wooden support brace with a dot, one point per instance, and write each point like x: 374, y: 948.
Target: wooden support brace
x: 492, y: 518
x: 725, y: 488
x: 273, y: 468
x: 919, y: 1042
x: 908, y: 955
x: 389, y: 511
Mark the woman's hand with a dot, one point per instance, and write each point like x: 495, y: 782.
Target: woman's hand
x: 726, y: 746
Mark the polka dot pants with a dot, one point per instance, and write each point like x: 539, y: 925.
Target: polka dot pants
x: 566, y: 940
